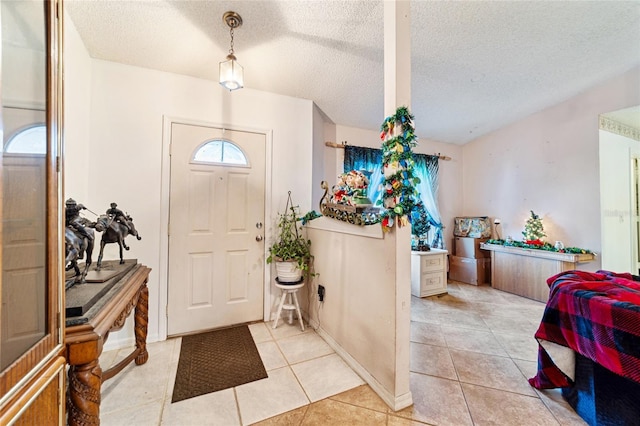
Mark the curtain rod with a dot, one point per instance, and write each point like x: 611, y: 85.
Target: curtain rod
x: 343, y: 144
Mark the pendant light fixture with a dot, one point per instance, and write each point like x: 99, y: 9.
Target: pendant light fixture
x: 231, y: 72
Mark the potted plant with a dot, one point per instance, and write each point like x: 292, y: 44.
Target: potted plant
x: 291, y: 250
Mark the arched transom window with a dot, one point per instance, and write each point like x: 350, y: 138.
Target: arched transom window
x: 29, y: 140
x: 220, y: 152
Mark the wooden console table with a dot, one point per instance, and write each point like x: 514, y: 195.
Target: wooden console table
x: 85, y: 337
x: 524, y: 271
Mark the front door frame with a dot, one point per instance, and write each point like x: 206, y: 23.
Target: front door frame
x: 163, y: 273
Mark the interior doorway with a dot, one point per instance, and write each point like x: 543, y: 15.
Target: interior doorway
x: 635, y: 220
x: 619, y: 150
x: 216, y: 228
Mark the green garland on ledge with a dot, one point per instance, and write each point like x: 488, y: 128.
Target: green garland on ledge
x: 399, y: 195
x: 544, y: 246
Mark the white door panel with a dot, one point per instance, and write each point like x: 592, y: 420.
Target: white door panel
x: 216, y: 263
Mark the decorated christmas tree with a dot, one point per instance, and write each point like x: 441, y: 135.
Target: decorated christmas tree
x: 420, y: 227
x: 399, y: 194
x: 533, y: 230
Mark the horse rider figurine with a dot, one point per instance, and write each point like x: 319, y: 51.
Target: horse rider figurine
x: 118, y: 215
x: 74, y: 221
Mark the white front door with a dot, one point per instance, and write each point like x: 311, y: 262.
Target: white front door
x: 216, y: 232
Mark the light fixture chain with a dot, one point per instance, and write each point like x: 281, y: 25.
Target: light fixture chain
x: 231, y: 73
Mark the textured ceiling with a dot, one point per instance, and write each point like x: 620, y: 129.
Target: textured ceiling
x: 476, y: 65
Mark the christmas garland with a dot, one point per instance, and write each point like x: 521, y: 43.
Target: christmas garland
x: 399, y: 195
x: 539, y: 246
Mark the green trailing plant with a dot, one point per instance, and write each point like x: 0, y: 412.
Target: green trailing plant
x: 290, y: 243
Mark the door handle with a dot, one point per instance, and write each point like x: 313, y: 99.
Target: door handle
x: 259, y: 238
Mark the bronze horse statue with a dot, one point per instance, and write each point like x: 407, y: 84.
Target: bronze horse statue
x: 114, y: 232
x: 75, y: 246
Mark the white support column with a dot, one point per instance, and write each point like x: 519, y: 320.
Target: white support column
x: 397, y: 92
x: 397, y: 55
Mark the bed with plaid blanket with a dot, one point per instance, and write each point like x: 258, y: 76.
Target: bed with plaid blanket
x: 596, y: 314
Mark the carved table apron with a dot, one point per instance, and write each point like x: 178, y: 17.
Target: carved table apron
x: 84, y: 343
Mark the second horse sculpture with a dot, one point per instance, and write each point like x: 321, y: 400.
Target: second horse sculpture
x: 114, y: 232
x: 76, y: 246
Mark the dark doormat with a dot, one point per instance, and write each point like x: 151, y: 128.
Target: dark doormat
x: 216, y: 360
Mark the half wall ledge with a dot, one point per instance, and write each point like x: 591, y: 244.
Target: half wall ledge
x: 327, y: 224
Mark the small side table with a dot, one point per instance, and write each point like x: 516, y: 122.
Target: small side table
x: 290, y: 290
x: 428, y: 272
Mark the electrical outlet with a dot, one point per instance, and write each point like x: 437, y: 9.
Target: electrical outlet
x: 321, y: 293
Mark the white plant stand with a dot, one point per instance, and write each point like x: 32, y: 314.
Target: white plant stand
x: 289, y: 291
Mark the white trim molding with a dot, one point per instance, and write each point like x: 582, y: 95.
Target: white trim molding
x: 396, y: 403
x: 613, y: 126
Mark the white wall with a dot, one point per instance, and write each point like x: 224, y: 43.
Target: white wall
x: 331, y: 167
x: 15, y: 120
x: 616, y: 153
x: 548, y: 163
x: 77, y: 113
x: 124, y: 161
x: 24, y: 77
x: 318, y: 172
x: 364, y: 314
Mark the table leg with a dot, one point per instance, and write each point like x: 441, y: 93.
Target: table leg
x: 83, y: 394
x: 290, y: 310
x: 141, y: 320
x: 275, y: 321
x: 298, y: 311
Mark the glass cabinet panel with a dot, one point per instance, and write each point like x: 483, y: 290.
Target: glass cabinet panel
x: 24, y: 185
x: 30, y: 220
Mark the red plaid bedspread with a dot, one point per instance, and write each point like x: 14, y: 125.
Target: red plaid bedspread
x: 597, y: 314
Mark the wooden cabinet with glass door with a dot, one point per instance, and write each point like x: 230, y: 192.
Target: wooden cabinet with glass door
x: 32, y: 365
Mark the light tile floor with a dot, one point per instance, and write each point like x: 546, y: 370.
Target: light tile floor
x: 472, y: 351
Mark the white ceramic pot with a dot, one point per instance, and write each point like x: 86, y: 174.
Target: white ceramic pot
x: 288, y: 271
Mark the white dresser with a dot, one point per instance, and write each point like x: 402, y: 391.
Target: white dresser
x: 428, y: 272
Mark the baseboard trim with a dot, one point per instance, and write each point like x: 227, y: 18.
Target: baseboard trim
x: 394, y: 402
x: 129, y: 342
x: 114, y: 344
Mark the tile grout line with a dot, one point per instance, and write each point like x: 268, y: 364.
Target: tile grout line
x: 513, y: 360
x: 235, y: 397
x: 169, y: 378
x: 525, y: 377
x: 502, y: 346
x: 275, y: 340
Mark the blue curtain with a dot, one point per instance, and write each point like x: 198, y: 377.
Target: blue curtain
x: 368, y: 160
x: 426, y: 168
